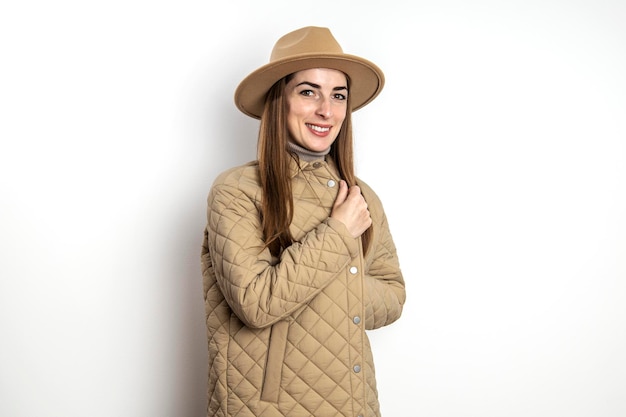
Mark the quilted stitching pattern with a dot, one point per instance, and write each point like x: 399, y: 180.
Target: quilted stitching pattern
x: 311, y: 287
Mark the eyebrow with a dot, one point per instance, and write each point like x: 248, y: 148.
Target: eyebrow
x: 319, y: 86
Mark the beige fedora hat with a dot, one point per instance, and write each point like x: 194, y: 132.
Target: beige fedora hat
x: 309, y: 47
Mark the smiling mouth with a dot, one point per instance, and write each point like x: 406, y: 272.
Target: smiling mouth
x: 318, y: 128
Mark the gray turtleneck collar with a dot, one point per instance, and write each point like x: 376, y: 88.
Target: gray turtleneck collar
x: 305, y: 154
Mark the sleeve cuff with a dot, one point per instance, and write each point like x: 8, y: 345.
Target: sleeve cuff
x: 351, y: 243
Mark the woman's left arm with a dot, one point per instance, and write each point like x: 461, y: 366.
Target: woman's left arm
x: 384, y: 290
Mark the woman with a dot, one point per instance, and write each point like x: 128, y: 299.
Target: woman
x: 298, y: 260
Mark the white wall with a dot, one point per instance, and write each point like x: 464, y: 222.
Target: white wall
x: 498, y: 147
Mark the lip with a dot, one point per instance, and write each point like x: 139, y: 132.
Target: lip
x: 318, y: 130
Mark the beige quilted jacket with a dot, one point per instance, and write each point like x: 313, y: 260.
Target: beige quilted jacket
x: 286, y: 337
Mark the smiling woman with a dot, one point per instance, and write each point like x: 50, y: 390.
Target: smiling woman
x: 317, y: 103
x: 298, y: 260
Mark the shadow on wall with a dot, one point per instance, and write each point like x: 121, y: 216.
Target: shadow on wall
x: 224, y: 138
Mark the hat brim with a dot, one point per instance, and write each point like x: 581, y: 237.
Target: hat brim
x: 367, y: 80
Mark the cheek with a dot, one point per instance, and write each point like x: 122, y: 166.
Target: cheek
x: 293, y: 124
x: 341, y: 110
x: 341, y: 116
x: 300, y: 109
x: 296, y: 116
x: 292, y: 118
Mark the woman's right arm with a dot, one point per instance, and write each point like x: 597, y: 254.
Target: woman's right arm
x: 260, y: 289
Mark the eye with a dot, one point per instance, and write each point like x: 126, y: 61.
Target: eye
x: 307, y: 93
x: 339, y: 96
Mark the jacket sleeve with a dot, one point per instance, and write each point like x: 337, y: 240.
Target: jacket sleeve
x: 384, y: 289
x: 260, y: 289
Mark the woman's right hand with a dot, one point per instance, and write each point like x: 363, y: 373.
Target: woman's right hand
x: 350, y: 208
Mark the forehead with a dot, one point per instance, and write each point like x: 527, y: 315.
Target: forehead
x: 321, y: 76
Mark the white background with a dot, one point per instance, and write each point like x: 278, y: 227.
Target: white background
x: 498, y: 147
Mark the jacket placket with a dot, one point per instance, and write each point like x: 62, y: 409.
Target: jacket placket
x: 355, y: 312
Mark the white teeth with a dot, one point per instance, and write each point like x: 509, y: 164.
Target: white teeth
x: 319, y: 129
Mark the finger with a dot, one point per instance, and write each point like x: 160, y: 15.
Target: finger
x: 356, y: 197
x: 342, y: 194
x: 355, y: 190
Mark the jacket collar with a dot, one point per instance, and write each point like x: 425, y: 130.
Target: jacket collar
x: 297, y: 165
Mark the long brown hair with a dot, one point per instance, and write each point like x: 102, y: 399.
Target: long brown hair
x: 274, y: 161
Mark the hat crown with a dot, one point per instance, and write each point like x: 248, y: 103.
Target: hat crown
x: 307, y: 40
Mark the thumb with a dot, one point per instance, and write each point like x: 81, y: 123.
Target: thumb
x: 342, y: 194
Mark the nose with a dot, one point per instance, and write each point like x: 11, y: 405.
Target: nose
x: 324, y: 108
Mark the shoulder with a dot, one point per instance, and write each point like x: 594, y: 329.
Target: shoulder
x: 368, y: 192
x: 238, y: 182
x: 374, y: 203
x: 241, y: 174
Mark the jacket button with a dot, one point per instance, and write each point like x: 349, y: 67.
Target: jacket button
x: 356, y: 319
x: 317, y: 164
x: 353, y: 270
x: 357, y: 369
x: 331, y: 183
